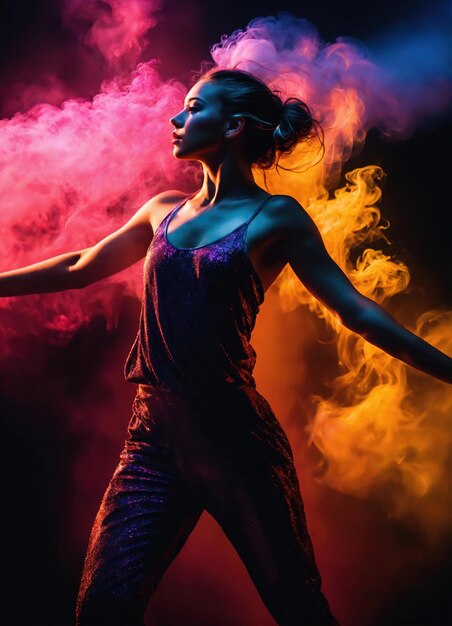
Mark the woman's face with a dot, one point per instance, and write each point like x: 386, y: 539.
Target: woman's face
x: 201, y: 123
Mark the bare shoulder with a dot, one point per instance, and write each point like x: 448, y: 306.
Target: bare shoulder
x: 287, y: 228
x: 156, y: 208
x: 171, y: 195
x: 287, y: 216
x: 286, y: 208
x: 162, y: 199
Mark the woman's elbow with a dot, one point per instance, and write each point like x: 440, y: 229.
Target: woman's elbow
x: 79, y: 278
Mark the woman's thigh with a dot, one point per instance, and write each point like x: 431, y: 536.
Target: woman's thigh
x: 144, y: 519
x: 262, y: 513
x: 265, y: 521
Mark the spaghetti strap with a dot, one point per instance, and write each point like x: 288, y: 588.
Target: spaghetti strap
x: 199, y: 305
x: 170, y: 214
x: 242, y: 227
x: 257, y: 210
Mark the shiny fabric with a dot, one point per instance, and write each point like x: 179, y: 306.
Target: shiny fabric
x: 198, y: 309
x: 201, y: 437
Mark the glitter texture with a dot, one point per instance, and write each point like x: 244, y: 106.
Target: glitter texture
x: 198, y: 310
x: 201, y: 437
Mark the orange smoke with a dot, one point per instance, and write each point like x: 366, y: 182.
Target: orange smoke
x: 384, y: 431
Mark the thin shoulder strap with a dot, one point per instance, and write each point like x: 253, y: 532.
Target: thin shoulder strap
x: 170, y: 214
x: 182, y: 202
x: 257, y: 210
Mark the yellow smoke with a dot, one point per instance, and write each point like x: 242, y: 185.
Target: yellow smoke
x: 386, y: 428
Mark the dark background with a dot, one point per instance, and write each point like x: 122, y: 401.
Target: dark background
x: 38, y: 586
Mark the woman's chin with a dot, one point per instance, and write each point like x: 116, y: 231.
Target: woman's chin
x: 179, y: 153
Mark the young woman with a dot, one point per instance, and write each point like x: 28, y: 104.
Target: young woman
x: 201, y: 437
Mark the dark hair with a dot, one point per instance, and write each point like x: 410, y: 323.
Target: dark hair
x: 273, y: 127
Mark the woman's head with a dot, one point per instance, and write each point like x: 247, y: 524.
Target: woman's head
x: 236, y: 106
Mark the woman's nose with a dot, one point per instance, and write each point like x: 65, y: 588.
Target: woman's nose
x: 177, y: 120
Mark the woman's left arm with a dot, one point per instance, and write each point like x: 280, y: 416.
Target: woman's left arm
x: 305, y: 251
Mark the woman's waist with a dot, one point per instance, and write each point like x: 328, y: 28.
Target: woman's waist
x: 150, y: 364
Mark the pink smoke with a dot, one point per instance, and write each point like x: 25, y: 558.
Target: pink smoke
x: 117, y: 28
x: 72, y: 173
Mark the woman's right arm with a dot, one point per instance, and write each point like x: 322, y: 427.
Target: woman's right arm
x: 74, y: 270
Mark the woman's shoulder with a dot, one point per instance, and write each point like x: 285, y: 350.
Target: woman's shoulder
x: 168, y: 196
x: 159, y: 205
x: 282, y: 207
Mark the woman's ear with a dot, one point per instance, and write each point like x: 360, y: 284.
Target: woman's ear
x: 234, y: 126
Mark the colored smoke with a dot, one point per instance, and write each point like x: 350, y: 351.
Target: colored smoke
x: 74, y: 173
x: 74, y: 169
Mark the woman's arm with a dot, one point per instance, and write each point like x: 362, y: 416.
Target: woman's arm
x: 306, y: 253
x: 78, y: 269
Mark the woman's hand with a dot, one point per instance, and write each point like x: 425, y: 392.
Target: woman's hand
x: 305, y: 251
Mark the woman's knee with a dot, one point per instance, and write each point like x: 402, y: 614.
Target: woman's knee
x: 297, y: 605
x: 97, y: 606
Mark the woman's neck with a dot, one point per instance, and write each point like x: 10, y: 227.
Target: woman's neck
x: 229, y: 180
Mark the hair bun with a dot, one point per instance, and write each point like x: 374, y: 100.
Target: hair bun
x: 296, y: 123
x: 272, y: 127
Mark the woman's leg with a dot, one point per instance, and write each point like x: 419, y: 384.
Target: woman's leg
x: 145, y: 517
x: 262, y: 513
x: 266, y: 524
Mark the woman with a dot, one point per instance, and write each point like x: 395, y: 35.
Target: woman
x: 201, y: 437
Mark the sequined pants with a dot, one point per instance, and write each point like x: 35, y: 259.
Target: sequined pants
x: 227, y: 455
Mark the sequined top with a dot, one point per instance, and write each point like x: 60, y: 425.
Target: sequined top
x: 198, y: 310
